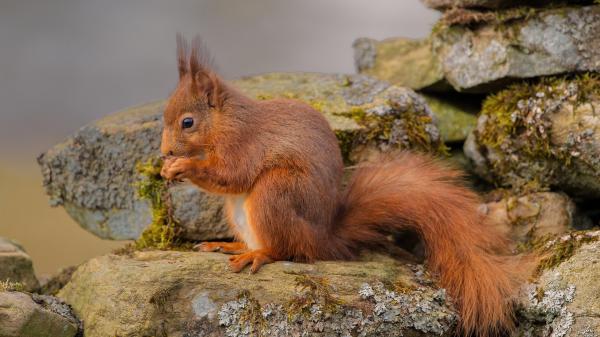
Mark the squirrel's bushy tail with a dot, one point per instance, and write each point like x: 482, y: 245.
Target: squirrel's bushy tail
x: 413, y: 191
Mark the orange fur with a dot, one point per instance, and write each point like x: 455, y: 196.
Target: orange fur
x: 281, y: 162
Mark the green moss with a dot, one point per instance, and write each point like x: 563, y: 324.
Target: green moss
x: 314, y: 290
x: 252, y: 314
x: 517, y: 121
x: 163, y: 231
x: 554, y: 250
x: 418, y: 136
x: 347, y: 141
x: 11, y: 286
x: 381, y: 128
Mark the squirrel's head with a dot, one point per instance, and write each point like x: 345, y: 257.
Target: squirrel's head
x: 199, y: 96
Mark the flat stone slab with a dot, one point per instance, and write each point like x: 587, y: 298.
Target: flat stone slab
x: 156, y: 293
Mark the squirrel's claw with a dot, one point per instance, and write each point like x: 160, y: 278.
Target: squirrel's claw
x: 257, y: 257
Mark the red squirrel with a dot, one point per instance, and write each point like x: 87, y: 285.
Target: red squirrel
x: 279, y: 166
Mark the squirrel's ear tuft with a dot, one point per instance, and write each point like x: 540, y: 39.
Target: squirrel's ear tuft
x: 204, y: 80
x: 182, y: 54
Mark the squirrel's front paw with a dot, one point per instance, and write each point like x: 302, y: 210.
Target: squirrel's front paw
x: 178, y: 168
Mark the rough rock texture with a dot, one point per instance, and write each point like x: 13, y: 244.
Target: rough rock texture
x: 483, y: 57
x: 157, y: 293
x: 52, y: 284
x: 16, y: 265
x: 541, y: 135
x: 411, y: 63
x: 489, y: 4
x: 565, y: 302
x: 400, y: 61
x: 532, y: 216
x: 482, y: 52
x: 93, y: 173
x: 456, y: 115
x: 26, y: 315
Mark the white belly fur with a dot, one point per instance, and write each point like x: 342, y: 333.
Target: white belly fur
x: 240, y: 220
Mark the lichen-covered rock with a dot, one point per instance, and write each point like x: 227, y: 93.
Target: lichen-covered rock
x: 16, y: 265
x: 565, y: 301
x: 157, y: 293
x: 532, y: 216
x: 93, y: 174
x: 518, y: 44
x: 539, y: 135
x: 31, y: 315
x: 400, y: 61
x: 490, y: 4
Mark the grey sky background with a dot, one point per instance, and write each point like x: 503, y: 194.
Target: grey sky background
x: 64, y: 63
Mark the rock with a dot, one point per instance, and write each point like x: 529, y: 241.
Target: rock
x: 16, y: 265
x: 400, y: 61
x: 540, y: 135
x: 456, y: 115
x: 411, y: 63
x: 488, y: 4
x: 93, y: 173
x: 159, y: 293
x: 481, y: 56
x: 53, y: 284
x: 26, y: 315
x: 565, y: 301
x: 532, y: 216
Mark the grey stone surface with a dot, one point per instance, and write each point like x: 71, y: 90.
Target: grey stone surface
x: 26, y: 315
x: 16, y: 265
x: 194, y: 294
x: 565, y: 301
x: 93, y: 173
x: 483, y: 52
x: 548, y: 42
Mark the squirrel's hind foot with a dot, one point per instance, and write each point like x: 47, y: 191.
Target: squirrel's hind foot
x: 257, y: 258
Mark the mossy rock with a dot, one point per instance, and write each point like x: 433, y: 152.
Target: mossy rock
x: 456, y: 114
x: 93, y: 173
x: 484, y: 52
x: 540, y: 135
x: 400, y: 61
x: 157, y: 293
x: 565, y: 300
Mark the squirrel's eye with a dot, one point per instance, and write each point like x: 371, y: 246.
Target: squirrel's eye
x: 187, y: 123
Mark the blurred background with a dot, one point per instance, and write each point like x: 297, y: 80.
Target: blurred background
x: 64, y: 63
